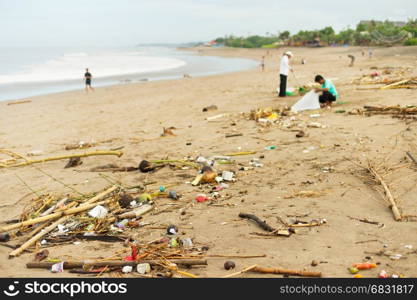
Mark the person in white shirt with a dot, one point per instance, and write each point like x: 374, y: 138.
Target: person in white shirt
x: 283, y: 72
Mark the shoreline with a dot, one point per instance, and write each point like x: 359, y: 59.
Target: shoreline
x: 133, y: 117
x: 134, y: 78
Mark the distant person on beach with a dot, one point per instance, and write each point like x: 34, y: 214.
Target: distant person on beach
x: 329, y: 92
x: 352, y: 60
x: 88, y: 77
x: 371, y: 53
x: 283, y: 73
x: 263, y: 63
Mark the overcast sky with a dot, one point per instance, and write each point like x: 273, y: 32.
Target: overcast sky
x: 129, y: 22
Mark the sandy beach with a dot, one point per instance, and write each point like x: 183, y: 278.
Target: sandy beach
x: 329, y: 161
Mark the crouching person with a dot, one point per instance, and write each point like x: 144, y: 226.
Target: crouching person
x: 329, y: 92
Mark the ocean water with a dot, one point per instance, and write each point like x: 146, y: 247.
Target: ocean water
x: 27, y: 72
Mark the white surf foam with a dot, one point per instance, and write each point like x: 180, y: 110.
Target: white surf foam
x: 72, y: 66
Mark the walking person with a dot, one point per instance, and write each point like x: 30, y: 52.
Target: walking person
x: 88, y: 77
x: 283, y: 73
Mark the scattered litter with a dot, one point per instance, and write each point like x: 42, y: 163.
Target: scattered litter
x: 143, y: 268
x: 228, y: 265
x: 58, y: 267
x: 127, y: 269
x: 98, y: 212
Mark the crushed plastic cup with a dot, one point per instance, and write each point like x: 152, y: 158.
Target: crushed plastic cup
x: 187, y: 242
x: 227, y: 176
x: 58, y: 267
x: 98, y: 212
x: 162, y: 188
x: 143, y: 268
x: 127, y: 269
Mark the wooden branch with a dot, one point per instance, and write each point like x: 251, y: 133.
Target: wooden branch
x: 80, y: 264
x: 35, y: 238
x: 53, y: 207
x: 19, y: 102
x: 36, y: 161
x: 258, y: 221
x: 393, y: 206
x: 285, y: 272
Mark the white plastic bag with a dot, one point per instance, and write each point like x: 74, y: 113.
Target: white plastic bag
x: 310, y: 101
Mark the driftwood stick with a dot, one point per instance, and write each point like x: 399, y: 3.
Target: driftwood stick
x: 393, y: 206
x: 36, y: 161
x: 285, y: 272
x: 258, y: 221
x: 35, y: 238
x: 241, y: 272
x: 80, y: 264
x: 136, y: 212
x: 411, y: 157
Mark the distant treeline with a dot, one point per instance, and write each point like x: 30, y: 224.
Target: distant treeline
x: 367, y: 33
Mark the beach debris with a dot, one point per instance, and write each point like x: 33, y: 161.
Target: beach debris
x: 41, y: 255
x: 353, y: 270
x: 73, y: 162
x: 233, y: 135
x: 19, y: 102
x: 228, y: 265
x: 57, y: 268
x: 80, y: 145
x: 127, y: 269
x: 173, y: 195
x: 281, y: 271
x: 172, y: 230
x: 270, y: 147
x: 4, y: 237
x: 396, y: 111
x: 245, y: 270
x: 35, y: 153
x: 27, y: 162
x: 314, y: 263
x: 300, y: 134
x: 228, y: 176
x: 308, y: 194
x: 145, y: 166
x: 168, y: 131
x: 388, y: 195
x: 365, y: 220
x: 98, y: 212
x: 258, y: 221
x: 365, y: 266
x: 187, y: 242
x: 125, y: 200
x: 201, y: 198
x: 210, y: 108
x: 383, y: 274
x: 143, y: 268
x: 216, y: 117
x: 112, y: 168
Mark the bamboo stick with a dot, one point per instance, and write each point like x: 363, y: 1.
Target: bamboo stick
x: 35, y: 238
x: 394, y: 84
x: 35, y: 161
x: 394, y: 208
x: 80, y: 264
x: 285, y: 272
x: 241, y: 272
x: 53, y: 207
x: 137, y: 212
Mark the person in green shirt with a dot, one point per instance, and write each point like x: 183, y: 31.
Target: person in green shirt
x: 329, y: 94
